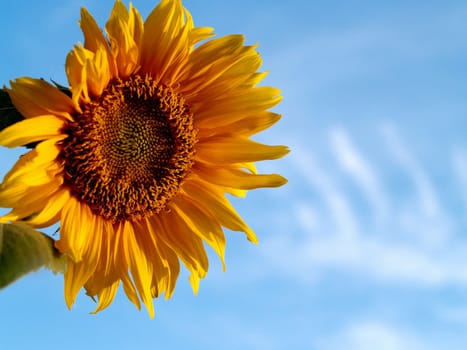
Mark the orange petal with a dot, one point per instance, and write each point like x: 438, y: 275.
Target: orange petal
x: 95, y: 39
x: 50, y: 214
x: 139, y: 265
x: 210, y: 199
x: 31, y: 130
x: 180, y: 238
x: 202, y: 223
x: 167, y: 277
x: 224, y: 150
x: 246, y: 125
x: 120, y: 30
x: 35, y: 97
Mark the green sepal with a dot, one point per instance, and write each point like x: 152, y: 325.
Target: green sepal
x: 8, y: 112
x: 24, y: 250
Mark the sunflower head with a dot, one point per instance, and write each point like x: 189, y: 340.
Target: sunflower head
x: 137, y: 160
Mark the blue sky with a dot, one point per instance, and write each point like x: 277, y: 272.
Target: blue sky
x: 365, y: 248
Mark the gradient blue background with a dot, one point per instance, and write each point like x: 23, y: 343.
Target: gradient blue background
x: 365, y: 248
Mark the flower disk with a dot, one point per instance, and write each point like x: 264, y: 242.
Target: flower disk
x: 129, y: 150
x: 136, y: 162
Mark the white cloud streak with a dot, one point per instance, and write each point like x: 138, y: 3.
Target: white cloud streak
x: 426, y: 217
x: 353, y: 163
x: 341, y: 213
x: 428, y: 198
x: 459, y: 162
x: 372, y: 335
x: 414, y: 245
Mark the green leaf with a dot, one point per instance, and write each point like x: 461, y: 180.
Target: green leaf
x: 24, y: 250
x: 8, y: 112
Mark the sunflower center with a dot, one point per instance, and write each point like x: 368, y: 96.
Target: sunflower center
x: 127, y: 153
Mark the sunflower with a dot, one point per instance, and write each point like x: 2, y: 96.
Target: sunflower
x: 135, y: 160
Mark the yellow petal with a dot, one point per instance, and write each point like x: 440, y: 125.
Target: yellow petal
x: 159, y: 270
x: 97, y: 72
x: 168, y: 274
x: 176, y: 53
x: 35, y: 97
x: 218, y: 69
x: 121, y: 262
x: 50, y: 214
x: 36, y: 167
x: 93, y: 36
x: 88, y: 72
x: 21, y: 196
x: 181, y: 239
x: 122, y: 41
x: 214, y: 202
x: 165, y: 38
x: 194, y: 281
x: 31, y: 130
x: 25, y: 203
x: 22, y: 163
x: 204, y: 225
x: 203, y: 57
x: 246, y: 102
x: 106, y: 296
x: 35, y: 175
x: 95, y: 39
x: 76, y: 233
x: 199, y: 34
x: 140, y: 267
x: 75, y: 276
x: 236, y: 178
x: 224, y: 150
x: 80, y: 239
x: 136, y: 24
x: 107, y: 271
x: 129, y: 289
x: 75, y: 62
x: 246, y: 125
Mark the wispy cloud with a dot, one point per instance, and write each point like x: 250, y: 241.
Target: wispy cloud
x: 428, y: 199
x: 334, y: 199
x: 426, y: 216
x: 372, y: 335
x: 415, y: 244
x: 355, y: 165
x: 459, y: 162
